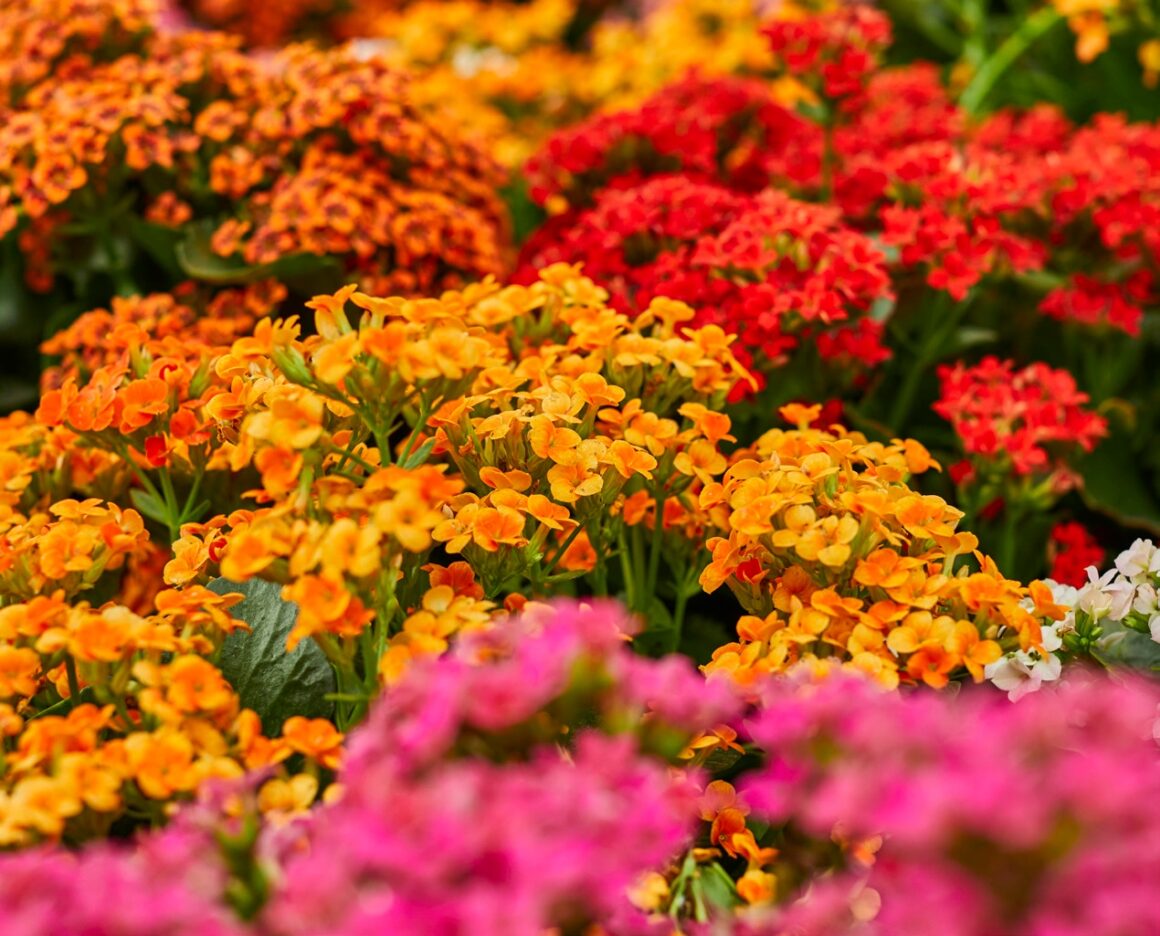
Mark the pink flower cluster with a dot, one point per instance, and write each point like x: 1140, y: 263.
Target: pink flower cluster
x: 1033, y: 819
x: 169, y: 882
x: 465, y: 809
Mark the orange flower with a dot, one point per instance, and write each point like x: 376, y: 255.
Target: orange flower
x: 701, y: 459
x: 315, y: 738
x: 141, y: 401
x: 551, y: 441
x: 19, y: 668
x: 932, y: 664
x: 162, y: 763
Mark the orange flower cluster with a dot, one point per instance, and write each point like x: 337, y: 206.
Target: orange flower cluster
x: 834, y: 556
x: 106, y: 713
x: 38, y: 36
x: 67, y: 548
x: 565, y: 420
x: 188, y: 155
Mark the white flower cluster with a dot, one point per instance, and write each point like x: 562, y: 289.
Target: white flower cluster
x: 1022, y: 671
x: 1128, y: 593
x: 1129, y: 590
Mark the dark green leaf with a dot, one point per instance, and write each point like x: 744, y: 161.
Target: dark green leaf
x: 1122, y: 646
x: 159, y: 242
x: 721, y: 760
x: 198, y: 260
x: 1113, y: 485
x: 657, y: 637
x: 150, y: 505
x: 274, y: 683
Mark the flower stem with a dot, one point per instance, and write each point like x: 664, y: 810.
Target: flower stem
x: 989, y: 73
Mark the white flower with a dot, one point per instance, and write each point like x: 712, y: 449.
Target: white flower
x: 1092, y: 599
x: 1122, y: 595
x: 1023, y: 672
x: 1063, y: 595
x: 1140, y: 561
x: 1147, y: 601
x: 1052, y: 640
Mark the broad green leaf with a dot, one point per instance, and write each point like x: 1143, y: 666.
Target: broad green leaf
x: 1122, y: 646
x: 197, y: 259
x: 274, y: 683
x: 1114, y: 485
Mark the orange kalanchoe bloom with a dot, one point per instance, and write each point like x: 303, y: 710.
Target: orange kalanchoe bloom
x: 321, y: 155
x: 835, y: 556
x: 166, y: 719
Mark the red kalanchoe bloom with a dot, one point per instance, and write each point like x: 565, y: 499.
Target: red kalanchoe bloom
x: 841, y: 47
x: 1074, y: 550
x: 1090, y: 302
x: 1030, y: 416
x: 775, y: 271
x: 726, y: 130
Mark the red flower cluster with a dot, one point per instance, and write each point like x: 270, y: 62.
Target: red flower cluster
x: 1016, y: 194
x: 776, y: 271
x: 1091, y: 302
x: 726, y: 130
x: 1017, y: 417
x: 1074, y: 549
x: 839, y: 47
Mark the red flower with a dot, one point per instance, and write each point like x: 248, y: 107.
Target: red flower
x: 1074, y: 549
x: 1028, y: 418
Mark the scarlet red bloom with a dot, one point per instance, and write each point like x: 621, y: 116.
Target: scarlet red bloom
x: 1030, y: 416
x: 1074, y: 549
x: 775, y: 271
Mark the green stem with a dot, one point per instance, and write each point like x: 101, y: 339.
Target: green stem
x: 600, y: 573
x: 654, y: 558
x: 349, y: 455
x: 989, y: 73
x: 420, y: 425
x: 679, y: 616
x: 627, y: 571
x: 74, y: 684
x: 560, y: 552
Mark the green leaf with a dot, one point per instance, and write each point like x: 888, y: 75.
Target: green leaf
x: 159, y: 242
x: 719, y: 888
x: 658, y: 633
x: 525, y: 214
x: 197, y: 259
x: 1114, y: 485
x: 274, y: 683
x: 150, y: 505
x: 1122, y: 646
x: 419, y: 456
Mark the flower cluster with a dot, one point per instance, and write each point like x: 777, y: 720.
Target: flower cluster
x: 1018, y: 421
x: 832, y: 554
x: 999, y: 818
x: 423, y: 837
x: 1074, y: 550
x: 570, y: 427
x: 110, y: 714
x: 786, y: 276
x: 1127, y: 594
x: 226, y: 165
